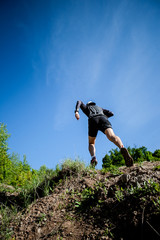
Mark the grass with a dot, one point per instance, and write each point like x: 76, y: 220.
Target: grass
x: 6, y: 216
x: 157, y: 168
x: 89, y: 197
x: 73, y: 167
x: 41, y: 186
x: 112, y: 169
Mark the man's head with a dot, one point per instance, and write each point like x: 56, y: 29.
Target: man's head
x: 91, y: 103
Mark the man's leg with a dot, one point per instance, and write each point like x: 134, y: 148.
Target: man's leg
x: 91, y: 146
x: 113, y: 138
x: 117, y: 141
x: 92, y: 150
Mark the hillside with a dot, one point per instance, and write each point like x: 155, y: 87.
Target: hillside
x: 92, y: 204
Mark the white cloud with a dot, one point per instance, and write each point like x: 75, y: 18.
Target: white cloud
x: 109, y: 66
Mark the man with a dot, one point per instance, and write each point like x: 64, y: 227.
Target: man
x: 98, y: 120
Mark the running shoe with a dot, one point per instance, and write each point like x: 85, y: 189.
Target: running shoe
x: 127, y: 157
x: 94, y: 161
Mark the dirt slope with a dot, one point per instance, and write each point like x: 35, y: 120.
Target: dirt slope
x: 95, y: 205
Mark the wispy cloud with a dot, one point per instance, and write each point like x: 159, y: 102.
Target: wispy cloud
x: 113, y: 62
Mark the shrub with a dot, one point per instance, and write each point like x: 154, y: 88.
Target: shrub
x: 70, y: 166
x: 138, y: 154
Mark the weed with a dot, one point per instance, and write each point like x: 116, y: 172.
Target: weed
x: 140, y: 163
x: 102, y: 186
x: 91, y: 197
x: 73, y: 166
x: 148, y: 187
x: 67, y: 191
x: 87, y: 199
x: 41, y: 218
x: 112, y: 169
x: 91, y: 171
x: 157, y: 204
x: 108, y: 232
x: 77, y: 204
x: 60, y: 206
x: 7, y: 215
x: 68, y: 217
x: 157, y: 168
x: 119, y: 194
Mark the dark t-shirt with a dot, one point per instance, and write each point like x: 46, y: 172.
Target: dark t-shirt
x: 93, y: 110
x: 97, y: 118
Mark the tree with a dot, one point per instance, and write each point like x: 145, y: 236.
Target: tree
x: 115, y: 158
x: 12, y: 170
x: 138, y: 154
x: 4, y: 156
x: 156, y: 153
x: 107, y: 161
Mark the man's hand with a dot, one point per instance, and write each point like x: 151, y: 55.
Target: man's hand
x: 77, y: 115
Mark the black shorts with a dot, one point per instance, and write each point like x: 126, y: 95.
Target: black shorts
x: 97, y: 123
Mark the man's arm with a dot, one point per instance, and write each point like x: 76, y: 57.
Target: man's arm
x: 83, y: 107
x: 77, y: 110
x: 78, y: 106
x: 108, y: 113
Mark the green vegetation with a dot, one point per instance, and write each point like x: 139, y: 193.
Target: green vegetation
x: 24, y: 185
x: 112, y: 169
x: 138, y: 154
x: 19, y: 174
x: 73, y: 167
x: 5, y: 162
x: 6, y: 216
x: 20, y: 184
x: 149, y: 187
x: 15, y: 172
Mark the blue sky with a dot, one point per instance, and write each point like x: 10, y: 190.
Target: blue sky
x: 55, y: 52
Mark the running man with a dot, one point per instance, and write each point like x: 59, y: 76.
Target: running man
x: 98, y: 120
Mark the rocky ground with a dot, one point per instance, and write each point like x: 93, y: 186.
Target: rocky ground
x: 124, y: 205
